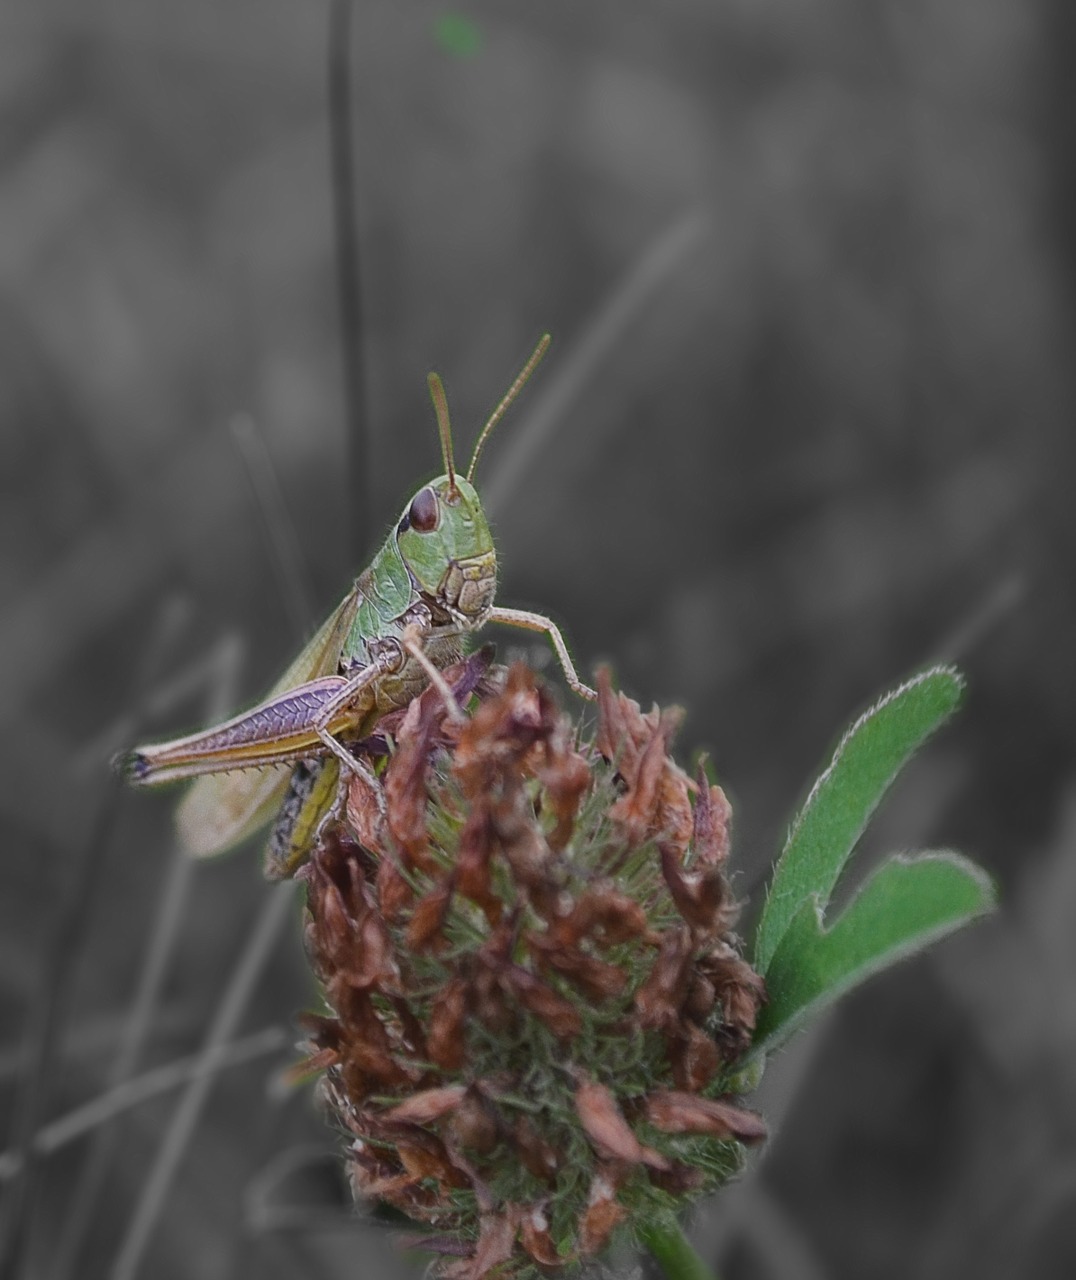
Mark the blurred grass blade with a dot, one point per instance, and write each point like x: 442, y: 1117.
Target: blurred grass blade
x: 840, y: 803
x: 293, y: 577
x: 70, y: 928
x: 605, y: 328
x: 260, y: 943
x: 909, y: 902
x: 220, y: 669
x: 96, y: 1113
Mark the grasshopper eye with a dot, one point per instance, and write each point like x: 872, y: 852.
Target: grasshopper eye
x: 423, y: 514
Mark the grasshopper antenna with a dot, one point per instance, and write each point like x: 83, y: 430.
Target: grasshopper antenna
x: 509, y: 396
x: 440, y: 406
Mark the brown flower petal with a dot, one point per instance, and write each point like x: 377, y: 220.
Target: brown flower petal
x: 675, y: 816
x: 411, y: 1033
x: 713, y: 813
x: 701, y: 897
x: 329, y: 926
x: 469, y: 674
x: 489, y: 997
x: 679, y: 1180
x: 312, y: 1064
x: 424, y: 1155
x: 366, y: 1051
x: 522, y: 843
x: 693, y: 1056
x: 539, y: 1157
x: 609, y: 917
x: 394, y: 892
x: 595, y: 978
x: 614, y: 738
x: 494, y: 1248
x: 325, y: 1032
x: 446, y: 1043
x: 610, y: 1134
x: 428, y: 918
x: 474, y: 1124
x: 382, y: 1180
x: 405, y: 778
x: 701, y: 996
x: 492, y: 1004
x: 637, y: 810
x: 656, y: 800
x: 374, y: 953
x: 672, y: 1111
x: 345, y: 935
x: 502, y: 730
x: 473, y: 874
x: 565, y: 776
x: 427, y: 1105
x: 603, y: 1214
x: 535, y: 1237
x: 741, y: 992
x: 559, y: 1015
x: 405, y: 782
x: 365, y: 813
x: 661, y: 996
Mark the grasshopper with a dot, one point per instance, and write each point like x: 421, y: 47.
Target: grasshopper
x: 405, y: 618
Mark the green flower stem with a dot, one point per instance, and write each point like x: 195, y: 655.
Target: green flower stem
x: 665, y: 1239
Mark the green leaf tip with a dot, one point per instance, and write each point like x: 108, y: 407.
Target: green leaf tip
x: 842, y: 800
x: 908, y: 903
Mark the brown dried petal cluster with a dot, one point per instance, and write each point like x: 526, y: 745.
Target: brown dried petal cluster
x: 526, y: 946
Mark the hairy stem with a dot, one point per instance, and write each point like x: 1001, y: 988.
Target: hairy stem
x: 665, y: 1239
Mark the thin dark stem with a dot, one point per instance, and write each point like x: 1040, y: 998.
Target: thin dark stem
x: 348, y: 278
x: 665, y: 1239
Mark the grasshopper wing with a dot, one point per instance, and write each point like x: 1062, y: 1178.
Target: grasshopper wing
x: 222, y: 809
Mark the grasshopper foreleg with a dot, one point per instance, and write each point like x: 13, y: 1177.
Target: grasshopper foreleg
x: 412, y: 642
x: 539, y: 622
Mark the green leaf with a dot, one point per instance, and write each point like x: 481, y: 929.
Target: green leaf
x: 909, y: 902
x: 840, y: 803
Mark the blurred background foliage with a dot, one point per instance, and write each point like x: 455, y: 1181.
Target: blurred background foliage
x: 806, y: 425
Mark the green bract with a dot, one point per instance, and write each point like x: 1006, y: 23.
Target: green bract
x: 808, y: 961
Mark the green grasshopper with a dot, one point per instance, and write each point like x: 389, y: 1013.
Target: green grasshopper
x: 403, y: 621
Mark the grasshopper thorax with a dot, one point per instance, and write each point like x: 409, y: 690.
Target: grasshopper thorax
x: 444, y: 540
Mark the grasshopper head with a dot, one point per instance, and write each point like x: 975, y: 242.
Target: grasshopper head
x: 443, y: 535
x: 445, y: 541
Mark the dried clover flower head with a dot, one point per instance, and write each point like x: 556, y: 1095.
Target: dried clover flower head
x: 537, y: 1000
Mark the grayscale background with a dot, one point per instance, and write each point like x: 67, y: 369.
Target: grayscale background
x: 806, y: 425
